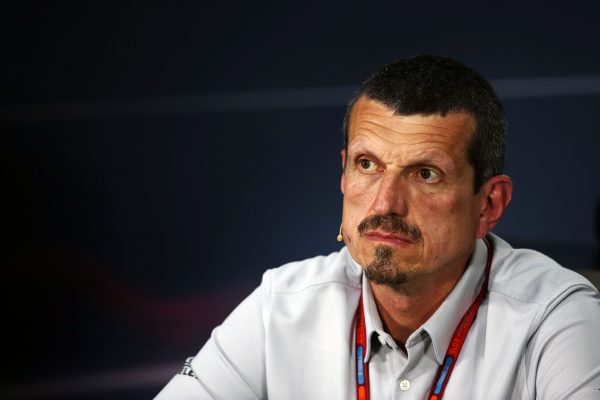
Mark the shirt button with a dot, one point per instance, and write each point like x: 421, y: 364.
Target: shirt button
x: 405, y: 385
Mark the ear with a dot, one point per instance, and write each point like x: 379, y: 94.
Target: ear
x: 343, y: 180
x: 495, y: 196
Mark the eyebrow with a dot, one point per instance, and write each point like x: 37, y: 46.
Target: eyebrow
x: 431, y: 157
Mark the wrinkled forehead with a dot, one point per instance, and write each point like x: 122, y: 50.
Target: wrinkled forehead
x: 372, y: 117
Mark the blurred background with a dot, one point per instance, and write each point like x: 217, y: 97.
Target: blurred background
x: 157, y: 157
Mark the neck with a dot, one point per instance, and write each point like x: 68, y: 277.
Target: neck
x: 403, y: 310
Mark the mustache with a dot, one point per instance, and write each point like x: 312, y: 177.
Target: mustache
x: 391, y: 223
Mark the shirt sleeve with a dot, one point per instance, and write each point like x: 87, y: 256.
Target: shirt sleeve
x: 566, y: 349
x: 231, y: 365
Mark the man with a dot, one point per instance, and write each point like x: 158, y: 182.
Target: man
x: 424, y: 302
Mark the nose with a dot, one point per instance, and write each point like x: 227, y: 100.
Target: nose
x: 391, y: 197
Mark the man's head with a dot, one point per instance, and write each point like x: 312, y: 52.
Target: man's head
x: 422, y: 163
x: 430, y: 85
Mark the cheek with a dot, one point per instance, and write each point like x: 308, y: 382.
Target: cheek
x: 446, y: 218
x: 357, y: 195
x: 355, y: 187
x: 356, y: 203
x: 354, y: 198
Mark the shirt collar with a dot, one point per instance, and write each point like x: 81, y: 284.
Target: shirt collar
x: 442, y: 324
x: 373, y: 325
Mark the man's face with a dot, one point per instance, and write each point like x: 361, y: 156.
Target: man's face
x: 409, y: 204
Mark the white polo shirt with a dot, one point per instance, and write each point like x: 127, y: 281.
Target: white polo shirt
x: 536, y: 336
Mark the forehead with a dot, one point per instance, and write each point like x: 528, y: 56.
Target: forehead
x: 370, y: 119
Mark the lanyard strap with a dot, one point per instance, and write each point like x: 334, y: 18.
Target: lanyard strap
x: 458, y: 339
x: 362, y: 368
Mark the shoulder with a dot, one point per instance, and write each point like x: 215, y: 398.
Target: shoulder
x: 551, y: 316
x: 336, y: 269
x: 529, y: 276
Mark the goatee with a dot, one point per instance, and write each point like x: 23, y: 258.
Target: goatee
x: 383, y: 270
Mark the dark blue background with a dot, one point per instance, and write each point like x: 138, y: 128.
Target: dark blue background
x: 157, y: 158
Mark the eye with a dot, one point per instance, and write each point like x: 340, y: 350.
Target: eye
x: 429, y: 175
x: 366, y: 165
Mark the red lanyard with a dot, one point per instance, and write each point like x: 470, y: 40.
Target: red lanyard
x: 362, y: 367
x: 445, y: 370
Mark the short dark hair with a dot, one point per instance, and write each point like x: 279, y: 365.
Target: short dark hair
x: 428, y: 85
